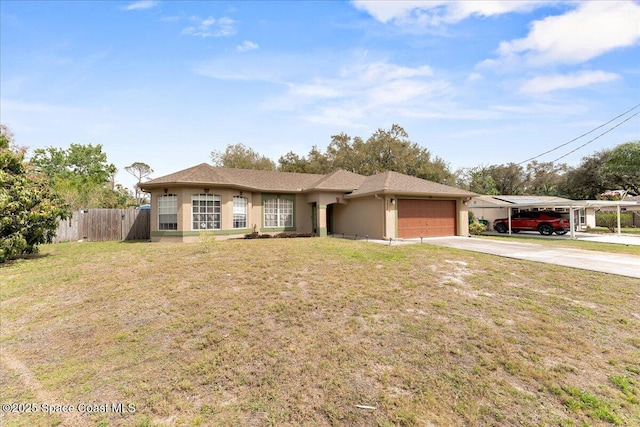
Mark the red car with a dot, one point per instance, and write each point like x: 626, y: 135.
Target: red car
x: 544, y: 222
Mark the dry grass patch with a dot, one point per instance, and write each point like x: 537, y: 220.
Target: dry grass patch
x: 293, y: 332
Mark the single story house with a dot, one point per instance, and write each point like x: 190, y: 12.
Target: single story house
x: 226, y: 202
x: 628, y: 208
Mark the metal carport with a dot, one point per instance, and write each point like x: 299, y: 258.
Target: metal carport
x: 524, y: 202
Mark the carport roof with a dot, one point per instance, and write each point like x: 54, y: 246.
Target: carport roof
x: 532, y: 199
x: 509, y: 201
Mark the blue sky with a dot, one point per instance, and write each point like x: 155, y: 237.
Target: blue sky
x: 167, y: 82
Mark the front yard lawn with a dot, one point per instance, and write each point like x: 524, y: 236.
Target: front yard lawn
x: 623, y: 230
x: 319, y: 332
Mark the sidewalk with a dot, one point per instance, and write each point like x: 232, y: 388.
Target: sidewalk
x: 620, y: 264
x: 623, y: 239
x: 604, y: 262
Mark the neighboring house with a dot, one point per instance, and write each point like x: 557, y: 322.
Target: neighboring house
x: 633, y: 209
x: 228, y: 202
x: 490, y: 208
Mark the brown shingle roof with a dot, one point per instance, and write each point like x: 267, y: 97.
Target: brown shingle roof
x: 347, y: 182
x: 199, y: 174
x: 339, y: 180
x: 397, y: 183
x: 269, y: 180
x: 249, y: 179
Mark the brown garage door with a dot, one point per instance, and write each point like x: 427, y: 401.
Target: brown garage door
x: 426, y: 218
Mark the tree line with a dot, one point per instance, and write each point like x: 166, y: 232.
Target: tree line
x: 392, y: 150
x: 613, y: 169
x: 385, y: 150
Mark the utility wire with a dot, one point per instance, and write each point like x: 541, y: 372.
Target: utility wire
x: 603, y: 133
x: 584, y: 134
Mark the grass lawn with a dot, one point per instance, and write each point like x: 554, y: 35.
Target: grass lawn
x: 624, y: 230
x: 315, y: 332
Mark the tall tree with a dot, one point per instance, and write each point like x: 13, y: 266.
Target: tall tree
x: 291, y: 162
x: 544, y: 178
x: 241, y: 157
x: 140, y: 171
x: 29, y: 209
x: 509, y: 178
x: 622, y: 167
x: 480, y: 180
x: 386, y: 150
x: 87, y: 163
x: 586, y: 180
x: 314, y: 162
x: 346, y: 153
x: 81, y: 174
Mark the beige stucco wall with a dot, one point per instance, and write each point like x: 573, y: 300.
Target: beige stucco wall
x: 463, y: 217
x: 322, y: 202
x: 362, y: 216
x: 303, y: 214
x: 185, y: 232
x: 590, y: 217
x: 490, y: 214
x: 185, y: 219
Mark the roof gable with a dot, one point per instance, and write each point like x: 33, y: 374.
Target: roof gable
x: 199, y: 174
x: 340, y: 180
x: 398, y: 183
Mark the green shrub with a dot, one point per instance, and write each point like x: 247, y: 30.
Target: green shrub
x: 207, y: 243
x: 610, y: 220
x: 477, y: 228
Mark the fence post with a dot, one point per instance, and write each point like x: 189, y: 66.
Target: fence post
x: 122, y: 215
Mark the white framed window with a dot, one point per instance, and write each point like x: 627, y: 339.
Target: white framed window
x: 206, y: 211
x: 278, y: 212
x: 239, y: 212
x: 168, y: 212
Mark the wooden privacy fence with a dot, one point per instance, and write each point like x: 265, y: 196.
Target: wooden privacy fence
x: 97, y: 225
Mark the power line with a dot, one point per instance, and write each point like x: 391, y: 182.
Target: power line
x: 584, y: 134
x: 590, y: 141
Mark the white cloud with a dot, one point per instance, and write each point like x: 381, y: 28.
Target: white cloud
x: 591, y: 30
x: 361, y: 91
x: 247, y: 46
x: 473, y: 77
x: 11, y: 105
x: 433, y: 12
x: 544, y: 84
x: 211, y: 27
x: 142, y: 4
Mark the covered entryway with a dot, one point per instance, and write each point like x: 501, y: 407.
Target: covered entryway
x: 426, y: 218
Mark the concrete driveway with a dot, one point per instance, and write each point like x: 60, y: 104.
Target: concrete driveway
x: 621, y: 264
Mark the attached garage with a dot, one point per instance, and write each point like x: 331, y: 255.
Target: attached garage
x: 426, y: 218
